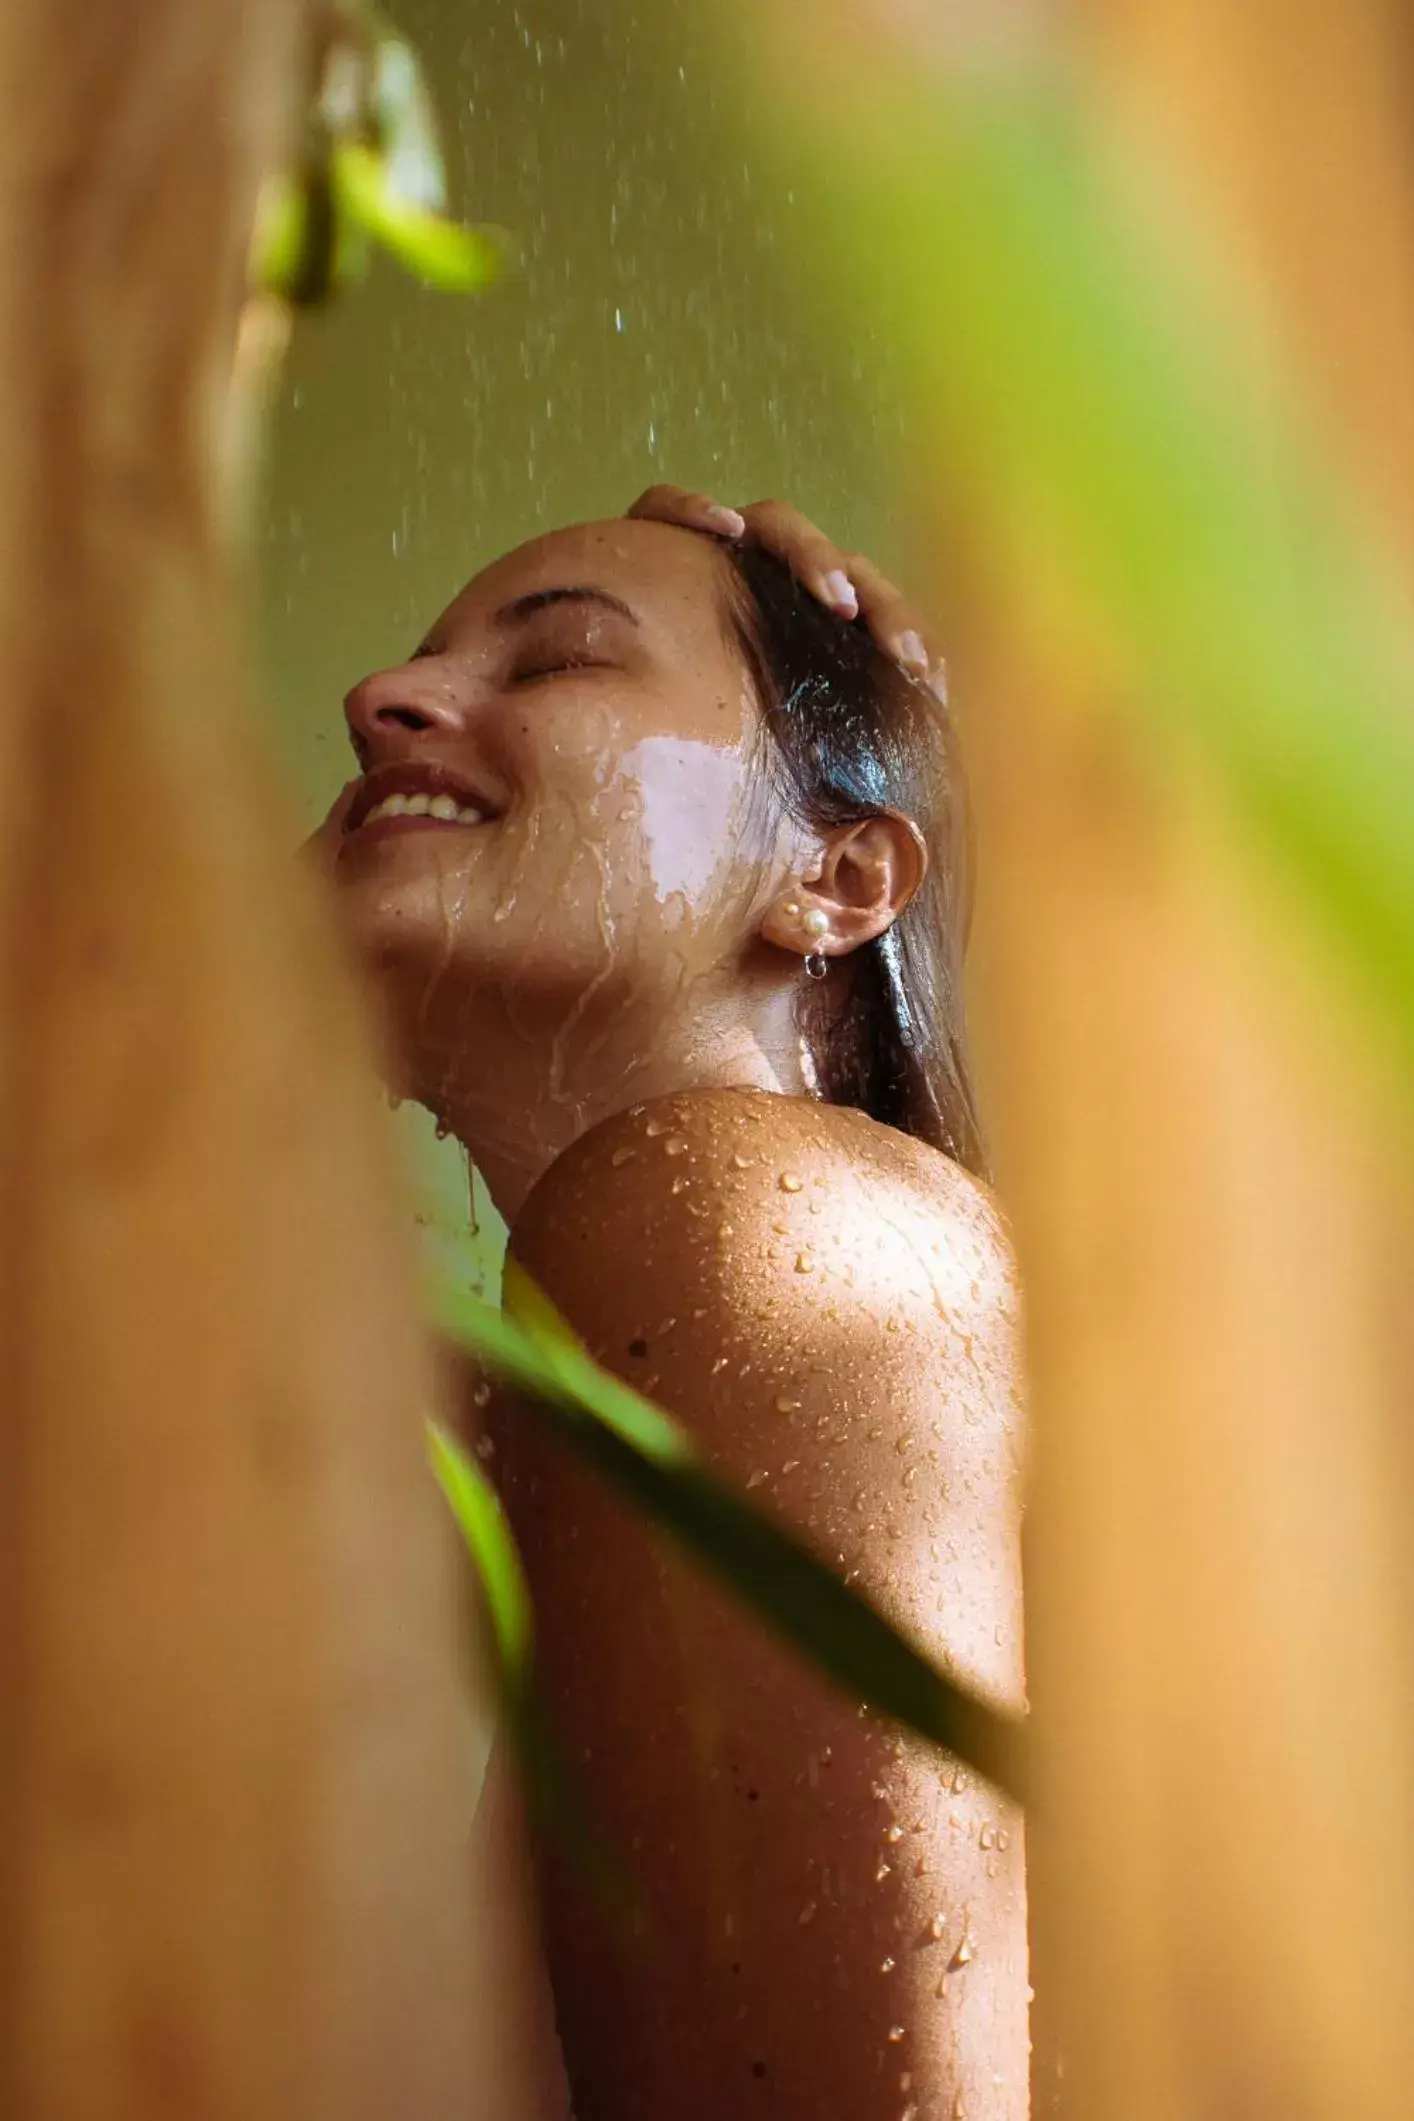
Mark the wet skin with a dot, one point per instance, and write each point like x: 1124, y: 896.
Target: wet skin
x: 591, y: 981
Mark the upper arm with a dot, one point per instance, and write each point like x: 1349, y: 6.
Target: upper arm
x: 841, y: 1344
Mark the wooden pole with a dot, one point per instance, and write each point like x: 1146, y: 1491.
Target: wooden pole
x: 235, y: 1793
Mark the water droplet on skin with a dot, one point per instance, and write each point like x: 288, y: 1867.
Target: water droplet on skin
x: 481, y: 1394
x: 1003, y: 1838
x: 742, y: 1163
x: 937, y: 1926
x: 896, y: 2033
x: 886, y: 1966
x: 789, y: 1183
x: 884, y: 1871
x: 787, y: 1406
x: 680, y: 1185
x: 895, y: 1833
x: 621, y: 1157
x: 804, y: 1262
x: 963, y: 1953
x: 809, y: 1912
x: 985, y: 1838
x: 655, y: 1127
x: 676, y: 1145
x: 754, y: 1480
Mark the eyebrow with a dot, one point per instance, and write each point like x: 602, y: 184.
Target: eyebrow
x: 522, y: 608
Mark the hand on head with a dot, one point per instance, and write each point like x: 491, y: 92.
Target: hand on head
x: 847, y: 583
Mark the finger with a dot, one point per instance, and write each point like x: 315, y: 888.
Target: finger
x: 896, y: 624
x: 811, y: 557
x: 689, y: 510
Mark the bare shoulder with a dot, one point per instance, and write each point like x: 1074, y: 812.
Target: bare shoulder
x: 751, y: 1198
x: 831, y: 1308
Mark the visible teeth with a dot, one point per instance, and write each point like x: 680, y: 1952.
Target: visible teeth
x: 444, y: 808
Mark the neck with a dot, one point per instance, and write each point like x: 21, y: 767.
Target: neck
x: 528, y: 1099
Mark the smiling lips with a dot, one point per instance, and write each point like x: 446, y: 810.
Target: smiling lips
x: 415, y: 795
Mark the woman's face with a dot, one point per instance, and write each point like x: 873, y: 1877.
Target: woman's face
x: 582, y: 729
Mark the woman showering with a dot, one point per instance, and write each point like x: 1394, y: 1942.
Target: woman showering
x: 657, y: 863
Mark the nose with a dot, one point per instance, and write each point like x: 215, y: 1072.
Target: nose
x: 422, y: 698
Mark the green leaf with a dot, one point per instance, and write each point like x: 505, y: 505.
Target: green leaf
x: 649, y: 1459
x: 1106, y: 401
x: 476, y: 1507
x: 443, y: 254
x: 556, y: 1800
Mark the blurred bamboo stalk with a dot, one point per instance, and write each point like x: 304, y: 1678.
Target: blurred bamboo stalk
x: 235, y: 1791
x: 1206, y: 1158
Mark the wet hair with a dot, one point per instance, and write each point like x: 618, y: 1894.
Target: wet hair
x: 848, y: 735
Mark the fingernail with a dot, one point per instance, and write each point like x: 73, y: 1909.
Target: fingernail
x: 728, y: 519
x: 938, y: 685
x: 839, y: 594
x: 912, y: 654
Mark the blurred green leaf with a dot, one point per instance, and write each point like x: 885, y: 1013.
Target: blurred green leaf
x: 477, y: 1509
x: 441, y: 253
x: 649, y: 1459
x: 555, y: 1798
x: 1101, y: 390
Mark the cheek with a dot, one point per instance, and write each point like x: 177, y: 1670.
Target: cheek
x: 687, y: 809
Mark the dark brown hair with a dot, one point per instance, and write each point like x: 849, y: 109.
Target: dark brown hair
x: 849, y: 735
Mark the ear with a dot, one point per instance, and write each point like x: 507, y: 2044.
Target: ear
x: 866, y: 874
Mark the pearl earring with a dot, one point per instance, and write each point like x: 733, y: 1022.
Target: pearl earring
x: 816, y: 922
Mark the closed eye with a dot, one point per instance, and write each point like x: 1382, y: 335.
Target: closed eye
x: 555, y: 666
